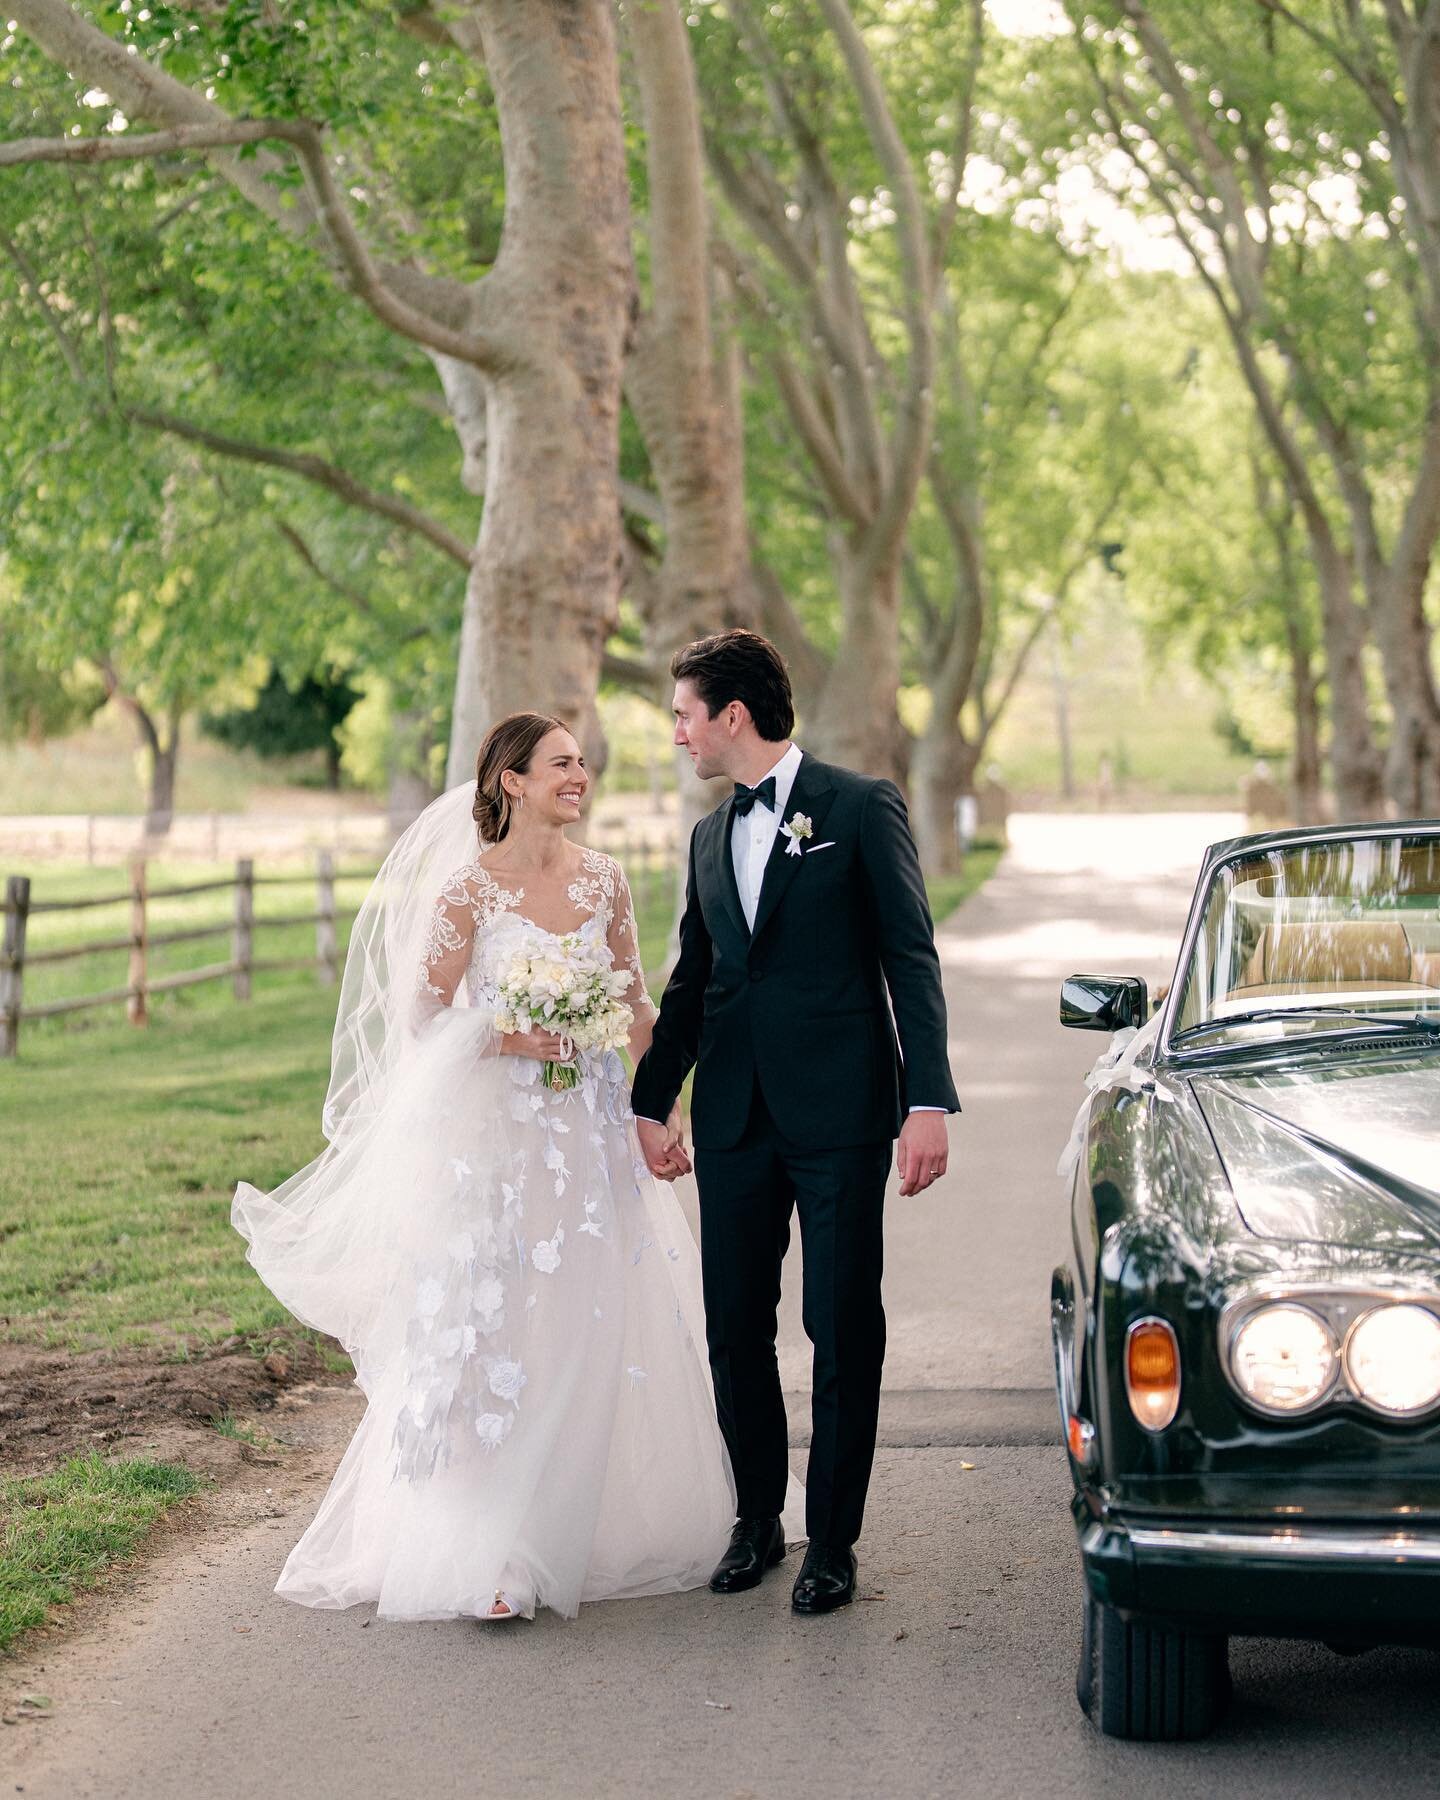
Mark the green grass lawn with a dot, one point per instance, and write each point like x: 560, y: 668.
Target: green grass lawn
x: 60, y: 1532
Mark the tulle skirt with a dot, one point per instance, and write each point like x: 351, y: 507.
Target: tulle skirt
x: 522, y: 1303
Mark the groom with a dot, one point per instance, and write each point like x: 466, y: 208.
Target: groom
x: 804, y: 908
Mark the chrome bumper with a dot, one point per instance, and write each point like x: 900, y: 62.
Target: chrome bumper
x: 1305, y: 1580
x: 1286, y: 1544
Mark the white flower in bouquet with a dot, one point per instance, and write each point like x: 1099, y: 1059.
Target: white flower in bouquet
x: 570, y: 988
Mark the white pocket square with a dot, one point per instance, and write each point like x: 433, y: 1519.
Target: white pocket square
x: 829, y: 844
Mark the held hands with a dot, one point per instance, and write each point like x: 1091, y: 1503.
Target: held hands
x: 922, y: 1152
x: 663, y: 1146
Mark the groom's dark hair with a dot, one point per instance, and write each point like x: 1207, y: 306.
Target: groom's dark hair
x: 740, y: 665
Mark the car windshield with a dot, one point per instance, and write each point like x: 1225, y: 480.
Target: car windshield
x: 1299, y: 940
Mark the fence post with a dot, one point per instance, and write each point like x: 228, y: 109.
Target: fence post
x: 325, y: 951
x: 137, y: 1008
x: 12, y: 961
x: 243, y: 944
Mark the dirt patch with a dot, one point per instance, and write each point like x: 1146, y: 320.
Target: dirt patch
x: 302, y: 1434
x: 56, y: 1404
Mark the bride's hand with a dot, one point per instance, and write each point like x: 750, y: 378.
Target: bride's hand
x: 544, y: 1046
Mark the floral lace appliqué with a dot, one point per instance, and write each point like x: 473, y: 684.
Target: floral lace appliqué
x: 594, y: 886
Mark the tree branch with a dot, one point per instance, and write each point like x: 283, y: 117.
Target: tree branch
x: 315, y: 469
x: 357, y: 269
x: 346, y: 590
x: 146, y: 91
x: 911, y: 434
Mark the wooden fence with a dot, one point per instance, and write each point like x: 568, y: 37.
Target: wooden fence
x: 241, y: 965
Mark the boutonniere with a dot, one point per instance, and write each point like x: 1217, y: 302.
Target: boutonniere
x: 797, y: 829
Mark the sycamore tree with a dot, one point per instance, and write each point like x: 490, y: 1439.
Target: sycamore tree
x: 1297, y: 160
x: 338, y: 138
x: 170, y: 375
x: 1217, y: 570
x: 1052, y: 415
x: 831, y: 234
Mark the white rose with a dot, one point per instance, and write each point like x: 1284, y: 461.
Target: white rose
x: 506, y: 1378
x: 545, y: 1257
x: 494, y: 1428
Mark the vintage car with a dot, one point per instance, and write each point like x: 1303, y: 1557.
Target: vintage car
x: 1247, y: 1338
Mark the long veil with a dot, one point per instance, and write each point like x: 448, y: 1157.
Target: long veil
x: 326, y: 1241
x: 382, y: 1003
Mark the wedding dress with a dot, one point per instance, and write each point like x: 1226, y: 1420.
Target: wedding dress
x: 520, y: 1297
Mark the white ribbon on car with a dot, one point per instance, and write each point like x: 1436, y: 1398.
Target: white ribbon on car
x: 1113, y: 1068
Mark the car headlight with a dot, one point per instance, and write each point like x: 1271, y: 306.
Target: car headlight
x: 1393, y: 1358
x: 1283, y: 1358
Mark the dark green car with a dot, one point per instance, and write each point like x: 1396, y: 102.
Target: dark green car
x: 1247, y: 1338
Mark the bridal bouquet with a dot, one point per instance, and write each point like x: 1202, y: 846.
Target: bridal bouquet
x: 567, y: 986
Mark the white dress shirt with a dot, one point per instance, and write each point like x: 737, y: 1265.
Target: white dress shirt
x: 752, y: 834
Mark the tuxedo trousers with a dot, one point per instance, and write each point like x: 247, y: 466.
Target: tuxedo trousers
x: 748, y: 1195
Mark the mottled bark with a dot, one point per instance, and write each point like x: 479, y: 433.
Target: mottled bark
x: 682, y: 382
x: 854, y: 722
x: 942, y: 772
x: 543, y: 593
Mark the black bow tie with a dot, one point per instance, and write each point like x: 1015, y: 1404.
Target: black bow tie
x: 745, y: 797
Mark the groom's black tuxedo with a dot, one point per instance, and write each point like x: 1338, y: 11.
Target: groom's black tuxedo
x: 800, y: 1090
x: 798, y: 1005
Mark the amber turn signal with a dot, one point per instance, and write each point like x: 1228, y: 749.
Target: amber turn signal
x: 1152, y: 1372
x: 1080, y: 1436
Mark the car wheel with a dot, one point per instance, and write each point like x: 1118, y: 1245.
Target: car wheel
x: 1150, y: 1682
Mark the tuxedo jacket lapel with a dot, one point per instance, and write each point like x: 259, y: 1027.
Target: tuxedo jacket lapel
x: 810, y: 794
x: 722, y: 868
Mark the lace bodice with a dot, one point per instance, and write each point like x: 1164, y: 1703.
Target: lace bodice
x: 476, y: 921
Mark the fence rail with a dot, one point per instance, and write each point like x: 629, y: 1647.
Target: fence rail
x: 140, y: 984
x: 646, y: 853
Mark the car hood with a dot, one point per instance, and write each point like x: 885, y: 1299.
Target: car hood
x: 1345, y: 1153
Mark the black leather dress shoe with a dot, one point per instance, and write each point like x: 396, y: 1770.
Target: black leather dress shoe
x: 826, y: 1579
x: 755, y: 1546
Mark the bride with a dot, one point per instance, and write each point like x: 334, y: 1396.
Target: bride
x: 518, y: 1294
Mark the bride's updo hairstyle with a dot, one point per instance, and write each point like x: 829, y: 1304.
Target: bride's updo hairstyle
x: 509, y: 745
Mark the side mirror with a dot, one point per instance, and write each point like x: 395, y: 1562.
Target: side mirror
x: 1103, y: 1002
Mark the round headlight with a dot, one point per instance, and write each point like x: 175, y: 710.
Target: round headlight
x: 1393, y: 1358
x: 1283, y: 1358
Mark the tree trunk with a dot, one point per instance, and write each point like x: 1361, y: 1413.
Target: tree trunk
x: 1412, y: 763
x: 1305, y: 704
x: 1356, y: 773
x: 942, y: 772
x: 160, y: 804
x: 1060, y: 684
x: 855, y: 722
x: 682, y: 382
x: 543, y: 595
